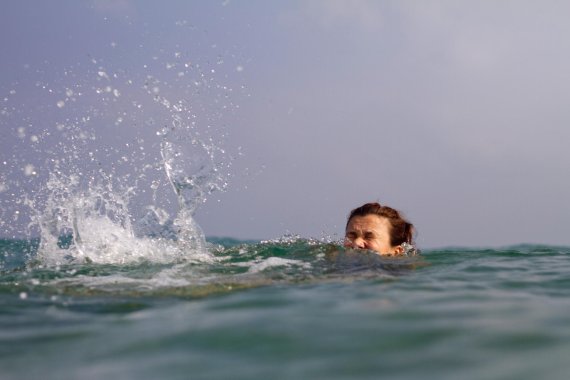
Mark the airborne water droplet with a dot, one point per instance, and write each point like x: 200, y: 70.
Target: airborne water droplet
x: 29, y: 170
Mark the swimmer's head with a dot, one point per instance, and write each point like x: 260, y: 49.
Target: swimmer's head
x: 378, y: 228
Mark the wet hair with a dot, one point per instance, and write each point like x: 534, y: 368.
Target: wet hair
x: 401, y: 230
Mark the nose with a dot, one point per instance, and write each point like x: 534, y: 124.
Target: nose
x: 359, y: 243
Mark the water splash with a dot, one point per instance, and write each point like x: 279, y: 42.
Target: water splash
x: 107, y: 149
x: 190, y: 167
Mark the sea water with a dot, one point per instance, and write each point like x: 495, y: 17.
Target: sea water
x: 288, y: 309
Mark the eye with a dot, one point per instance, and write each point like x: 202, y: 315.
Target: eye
x: 369, y: 236
x: 351, y: 235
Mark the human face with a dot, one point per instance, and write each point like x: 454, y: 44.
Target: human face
x: 370, y: 232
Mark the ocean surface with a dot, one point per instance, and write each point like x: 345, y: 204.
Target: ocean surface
x: 286, y: 309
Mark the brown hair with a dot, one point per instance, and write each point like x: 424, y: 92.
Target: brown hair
x: 402, y: 231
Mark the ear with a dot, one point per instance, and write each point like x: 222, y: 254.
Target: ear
x: 398, y: 250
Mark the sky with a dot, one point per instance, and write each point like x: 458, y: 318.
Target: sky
x: 453, y: 112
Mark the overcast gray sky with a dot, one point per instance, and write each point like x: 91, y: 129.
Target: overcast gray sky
x: 454, y: 112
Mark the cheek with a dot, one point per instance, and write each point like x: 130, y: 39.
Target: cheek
x: 380, y: 246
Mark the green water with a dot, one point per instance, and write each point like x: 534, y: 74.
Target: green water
x: 294, y: 309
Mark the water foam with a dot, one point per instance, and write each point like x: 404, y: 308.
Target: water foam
x: 272, y: 262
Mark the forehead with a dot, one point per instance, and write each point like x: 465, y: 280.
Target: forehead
x: 368, y: 222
